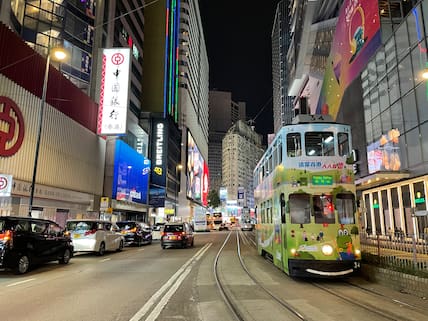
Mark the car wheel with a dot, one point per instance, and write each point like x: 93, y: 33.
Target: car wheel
x: 102, y: 249
x: 120, y: 246
x: 23, y: 264
x: 163, y: 246
x: 66, y: 256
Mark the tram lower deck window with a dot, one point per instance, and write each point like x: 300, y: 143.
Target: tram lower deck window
x: 323, y: 209
x: 345, y: 206
x: 300, y: 208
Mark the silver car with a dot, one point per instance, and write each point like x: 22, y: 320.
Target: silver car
x: 98, y: 236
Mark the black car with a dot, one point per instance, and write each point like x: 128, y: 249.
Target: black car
x: 177, y: 234
x: 26, y: 241
x: 136, y: 233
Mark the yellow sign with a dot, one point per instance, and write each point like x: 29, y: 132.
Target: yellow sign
x: 158, y: 170
x: 104, y: 203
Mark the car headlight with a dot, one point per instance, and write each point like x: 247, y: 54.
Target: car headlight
x: 357, y: 253
x: 327, y: 249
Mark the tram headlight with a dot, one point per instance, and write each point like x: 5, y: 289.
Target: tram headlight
x: 357, y: 253
x: 327, y: 249
x: 293, y: 252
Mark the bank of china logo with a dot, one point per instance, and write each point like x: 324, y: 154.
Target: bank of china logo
x: 158, y: 170
x: 11, y: 127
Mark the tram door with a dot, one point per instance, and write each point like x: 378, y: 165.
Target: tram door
x: 283, y: 233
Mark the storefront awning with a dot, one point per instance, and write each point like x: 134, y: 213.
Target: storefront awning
x: 379, y: 178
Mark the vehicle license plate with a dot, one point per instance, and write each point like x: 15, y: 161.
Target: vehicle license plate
x: 172, y: 237
x: 76, y: 236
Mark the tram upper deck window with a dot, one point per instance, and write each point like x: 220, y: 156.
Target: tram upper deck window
x: 345, y: 206
x: 294, y: 145
x: 299, y: 205
x: 343, y: 141
x: 319, y: 143
x: 323, y: 209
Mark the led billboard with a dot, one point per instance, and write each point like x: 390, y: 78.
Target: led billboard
x: 197, y: 177
x: 384, y: 155
x: 131, y: 174
x: 356, y: 39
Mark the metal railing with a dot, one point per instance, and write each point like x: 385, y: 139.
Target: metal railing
x: 398, y: 252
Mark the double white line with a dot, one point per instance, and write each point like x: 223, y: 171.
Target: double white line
x: 172, y: 284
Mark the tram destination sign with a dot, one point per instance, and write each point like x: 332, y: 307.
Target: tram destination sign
x: 322, y: 180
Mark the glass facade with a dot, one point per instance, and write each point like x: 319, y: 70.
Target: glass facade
x: 395, y: 100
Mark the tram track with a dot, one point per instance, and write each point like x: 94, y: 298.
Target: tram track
x: 382, y: 306
x: 234, y: 303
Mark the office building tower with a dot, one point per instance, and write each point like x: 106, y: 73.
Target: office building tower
x: 223, y: 113
x: 175, y: 89
x: 241, y: 150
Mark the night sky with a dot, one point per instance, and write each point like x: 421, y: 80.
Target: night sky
x: 238, y: 40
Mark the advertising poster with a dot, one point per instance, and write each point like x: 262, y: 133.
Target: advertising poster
x: 356, y: 39
x: 131, y: 175
x: 194, y: 170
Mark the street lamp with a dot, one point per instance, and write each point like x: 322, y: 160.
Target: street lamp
x: 178, y: 169
x: 57, y: 54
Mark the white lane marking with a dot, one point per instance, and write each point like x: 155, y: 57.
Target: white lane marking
x: 107, y: 259
x: 20, y: 282
x: 399, y: 302
x: 146, y: 307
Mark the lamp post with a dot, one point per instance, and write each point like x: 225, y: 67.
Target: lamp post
x: 178, y: 169
x: 59, y: 54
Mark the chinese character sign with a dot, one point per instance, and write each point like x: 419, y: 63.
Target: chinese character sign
x: 113, y: 106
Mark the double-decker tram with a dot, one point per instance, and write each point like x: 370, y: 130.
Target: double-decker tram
x: 305, y: 199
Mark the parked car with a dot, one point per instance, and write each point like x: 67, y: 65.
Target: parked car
x: 26, y: 241
x: 177, y: 234
x: 135, y: 233
x: 98, y: 236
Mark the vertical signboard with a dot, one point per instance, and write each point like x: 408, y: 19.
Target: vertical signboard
x: 159, y: 144
x: 5, y: 185
x: 205, y: 184
x: 114, y: 91
x: 356, y: 39
x: 223, y: 194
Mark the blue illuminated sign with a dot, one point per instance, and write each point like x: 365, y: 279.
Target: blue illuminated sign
x: 131, y: 174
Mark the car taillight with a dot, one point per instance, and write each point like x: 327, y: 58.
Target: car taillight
x: 163, y: 233
x: 90, y: 232
x: 183, y: 233
x: 7, y: 237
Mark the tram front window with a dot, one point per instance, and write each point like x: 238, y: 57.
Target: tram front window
x: 345, y: 206
x: 300, y: 208
x: 323, y: 209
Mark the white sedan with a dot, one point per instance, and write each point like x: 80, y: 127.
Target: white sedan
x: 98, y: 236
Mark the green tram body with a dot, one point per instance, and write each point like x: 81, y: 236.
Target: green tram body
x: 305, y: 200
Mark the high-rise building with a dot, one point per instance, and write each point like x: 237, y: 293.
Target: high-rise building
x: 223, y: 113
x: 84, y: 28
x: 175, y: 88
x: 283, y: 109
x: 241, y: 150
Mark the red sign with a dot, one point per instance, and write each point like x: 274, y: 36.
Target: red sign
x: 12, y: 129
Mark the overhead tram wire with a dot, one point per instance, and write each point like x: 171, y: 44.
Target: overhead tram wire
x: 252, y: 120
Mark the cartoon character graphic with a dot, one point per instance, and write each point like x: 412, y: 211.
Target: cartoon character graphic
x: 344, y: 245
x: 357, y: 41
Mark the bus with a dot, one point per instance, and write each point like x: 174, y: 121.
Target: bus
x: 305, y: 200
x: 217, y: 220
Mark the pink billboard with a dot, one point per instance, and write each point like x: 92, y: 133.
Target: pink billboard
x: 356, y: 39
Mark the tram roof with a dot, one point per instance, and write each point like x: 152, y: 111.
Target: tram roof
x: 304, y: 118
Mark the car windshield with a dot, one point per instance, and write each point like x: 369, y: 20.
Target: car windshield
x: 81, y: 226
x: 173, y: 228
x: 126, y: 225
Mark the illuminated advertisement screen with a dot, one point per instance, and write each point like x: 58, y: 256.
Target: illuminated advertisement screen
x: 205, y: 185
x: 131, y: 174
x: 356, y: 39
x: 223, y: 194
x: 194, y: 170
x: 384, y: 155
